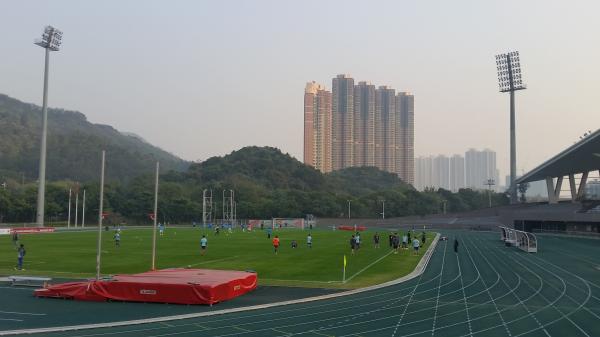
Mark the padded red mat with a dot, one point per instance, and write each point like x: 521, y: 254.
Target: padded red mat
x: 182, y: 286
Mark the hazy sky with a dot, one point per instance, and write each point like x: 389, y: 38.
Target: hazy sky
x: 203, y: 78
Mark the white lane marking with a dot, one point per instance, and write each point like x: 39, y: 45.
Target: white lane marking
x: 413, y: 293
x: 11, y: 319
x: 464, y: 297
x: 437, y: 299
x: 515, y: 294
x: 489, y: 293
x: 565, y: 316
x: 21, y: 313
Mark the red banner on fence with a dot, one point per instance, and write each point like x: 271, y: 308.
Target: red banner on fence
x: 31, y: 230
x: 352, y: 228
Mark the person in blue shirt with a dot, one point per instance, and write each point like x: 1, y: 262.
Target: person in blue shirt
x: 20, y: 255
x: 203, y: 244
x: 416, y: 244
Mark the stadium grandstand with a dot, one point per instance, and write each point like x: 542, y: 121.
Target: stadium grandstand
x: 575, y: 210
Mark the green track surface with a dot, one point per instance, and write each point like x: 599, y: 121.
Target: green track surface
x: 486, y: 289
x: 73, y: 255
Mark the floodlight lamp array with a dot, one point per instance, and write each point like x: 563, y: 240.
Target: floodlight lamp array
x: 51, y: 39
x: 509, y: 72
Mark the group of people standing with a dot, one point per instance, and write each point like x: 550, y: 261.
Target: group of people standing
x: 394, y: 241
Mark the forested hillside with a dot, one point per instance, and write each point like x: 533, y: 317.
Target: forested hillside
x: 267, y: 184
x: 74, y: 146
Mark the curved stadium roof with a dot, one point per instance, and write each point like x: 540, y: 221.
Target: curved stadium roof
x: 583, y: 156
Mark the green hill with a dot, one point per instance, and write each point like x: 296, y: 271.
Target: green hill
x: 74, y: 146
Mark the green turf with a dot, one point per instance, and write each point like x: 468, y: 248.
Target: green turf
x: 73, y: 255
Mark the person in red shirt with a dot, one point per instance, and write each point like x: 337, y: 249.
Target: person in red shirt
x: 276, y: 243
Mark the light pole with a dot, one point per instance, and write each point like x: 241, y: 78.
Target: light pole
x: 348, y: 209
x: 69, y: 211
x: 383, y: 208
x: 510, y: 80
x: 490, y: 183
x: 83, y: 211
x: 51, y: 40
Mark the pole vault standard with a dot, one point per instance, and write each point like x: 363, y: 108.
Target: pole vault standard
x: 100, y: 216
x: 155, y: 217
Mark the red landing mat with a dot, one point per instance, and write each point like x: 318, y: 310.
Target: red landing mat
x: 182, y: 286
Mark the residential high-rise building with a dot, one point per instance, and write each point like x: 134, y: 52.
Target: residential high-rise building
x: 385, y: 129
x: 423, y: 173
x: 317, y: 127
x: 457, y: 172
x: 364, y: 124
x: 441, y: 172
x: 479, y: 167
x: 342, y: 112
x: 405, y: 137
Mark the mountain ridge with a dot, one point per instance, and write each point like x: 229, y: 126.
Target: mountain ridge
x: 74, y: 145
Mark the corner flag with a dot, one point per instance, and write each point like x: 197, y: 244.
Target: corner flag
x: 344, y: 273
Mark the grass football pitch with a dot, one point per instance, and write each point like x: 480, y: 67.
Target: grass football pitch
x: 73, y: 255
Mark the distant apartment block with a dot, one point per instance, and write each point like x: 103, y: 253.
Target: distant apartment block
x: 456, y: 172
x: 479, y: 167
x: 385, y: 129
x: 342, y: 112
x: 405, y: 137
x: 317, y: 127
x: 364, y: 124
x: 369, y: 126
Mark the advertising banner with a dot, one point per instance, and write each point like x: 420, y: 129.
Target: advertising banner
x: 32, y: 230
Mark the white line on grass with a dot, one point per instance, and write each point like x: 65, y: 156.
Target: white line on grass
x: 369, y: 266
x: 210, y: 261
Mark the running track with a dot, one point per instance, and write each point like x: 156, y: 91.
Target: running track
x: 485, y: 290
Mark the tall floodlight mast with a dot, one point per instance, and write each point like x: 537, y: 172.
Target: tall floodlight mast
x: 510, y: 80
x: 51, y: 40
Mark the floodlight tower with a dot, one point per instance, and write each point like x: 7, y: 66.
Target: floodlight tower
x: 510, y: 80
x: 51, y: 40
